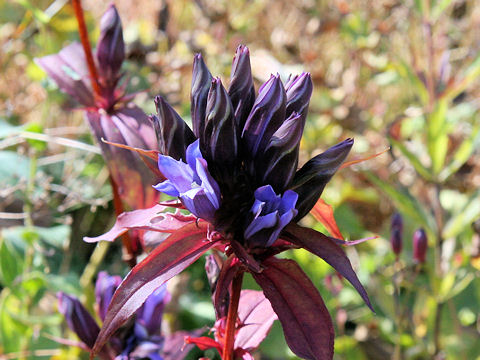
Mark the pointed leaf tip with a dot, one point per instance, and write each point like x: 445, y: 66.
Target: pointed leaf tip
x: 327, y: 249
x: 304, y: 317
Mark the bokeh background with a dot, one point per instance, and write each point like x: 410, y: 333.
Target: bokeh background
x: 397, y: 75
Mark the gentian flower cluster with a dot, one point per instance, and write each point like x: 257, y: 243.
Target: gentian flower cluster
x: 236, y: 173
x: 142, y: 339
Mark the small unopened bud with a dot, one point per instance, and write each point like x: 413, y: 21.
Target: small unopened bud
x: 267, y: 115
x: 201, y: 81
x: 241, y: 91
x: 218, y: 142
x: 299, y: 90
x: 173, y: 134
x: 150, y: 314
x: 110, y: 48
x: 78, y: 319
x: 419, y: 245
x: 396, y: 234
x: 105, y: 287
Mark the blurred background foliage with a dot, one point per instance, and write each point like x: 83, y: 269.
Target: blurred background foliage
x: 392, y: 74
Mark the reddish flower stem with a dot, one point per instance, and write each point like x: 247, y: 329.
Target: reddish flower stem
x: 232, y: 317
x: 82, y: 30
x: 127, y: 241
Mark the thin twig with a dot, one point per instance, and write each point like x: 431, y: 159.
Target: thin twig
x: 82, y: 31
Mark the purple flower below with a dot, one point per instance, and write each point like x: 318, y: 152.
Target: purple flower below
x: 141, y: 340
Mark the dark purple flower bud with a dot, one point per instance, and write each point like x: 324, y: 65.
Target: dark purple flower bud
x: 105, y: 287
x: 396, y: 241
x: 299, y: 90
x: 149, y: 317
x: 396, y: 233
x: 311, y: 179
x: 420, y: 245
x: 278, y: 164
x: 397, y: 222
x: 78, y: 319
x: 173, y: 134
x: 242, y: 90
x: 201, y: 81
x: 110, y: 47
x: 271, y: 213
x: 268, y: 114
x: 218, y: 142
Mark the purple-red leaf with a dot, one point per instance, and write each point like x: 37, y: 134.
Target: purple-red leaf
x: 153, y: 219
x: 129, y: 126
x: 256, y: 318
x: 69, y: 70
x: 305, y: 320
x: 327, y: 249
x: 167, y: 260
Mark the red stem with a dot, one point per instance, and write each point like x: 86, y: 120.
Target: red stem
x: 82, y: 30
x: 127, y: 241
x: 232, y: 317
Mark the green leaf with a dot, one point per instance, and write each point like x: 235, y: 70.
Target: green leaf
x: 9, y: 130
x: 470, y: 74
x: 68, y: 283
x: 446, y: 285
x: 419, y: 6
x: 404, y: 202
x: 11, y: 263
x: 37, y: 13
x: 405, y: 71
x: 460, y: 284
x: 33, y: 285
x: 463, y: 153
x: 413, y: 159
x: 55, y: 236
x: 439, y: 7
x: 464, y: 218
x: 437, y: 136
x: 12, y: 332
x: 13, y: 167
x: 35, y: 127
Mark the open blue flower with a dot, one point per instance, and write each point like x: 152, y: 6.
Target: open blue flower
x: 271, y: 213
x: 191, y: 182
